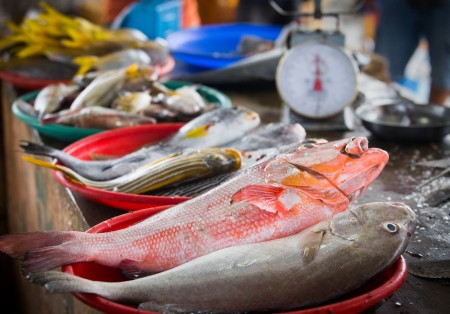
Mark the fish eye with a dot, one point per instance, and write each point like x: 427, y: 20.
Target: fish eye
x: 390, y: 227
x: 308, y: 145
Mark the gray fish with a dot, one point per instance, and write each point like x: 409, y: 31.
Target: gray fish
x: 272, y: 135
x: 96, y: 117
x: 320, y: 263
x: 210, y: 129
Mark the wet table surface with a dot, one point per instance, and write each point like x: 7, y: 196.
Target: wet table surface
x: 429, y: 248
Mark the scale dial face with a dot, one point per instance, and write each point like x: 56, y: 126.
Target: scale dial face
x: 316, y: 80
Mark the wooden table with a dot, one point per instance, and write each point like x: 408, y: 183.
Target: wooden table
x: 34, y: 201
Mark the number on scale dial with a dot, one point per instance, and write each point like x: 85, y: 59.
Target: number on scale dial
x: 316, y: 80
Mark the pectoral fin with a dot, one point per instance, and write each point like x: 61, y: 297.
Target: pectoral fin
x: 311, y: 244
x: 132, y: 268
x: 200, y: 131
x: 266, y: 197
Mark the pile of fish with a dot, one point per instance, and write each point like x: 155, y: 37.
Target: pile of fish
x: 117, y: 98
x: 78, y: 42
x: 244, y: 245
x: 218, y: 142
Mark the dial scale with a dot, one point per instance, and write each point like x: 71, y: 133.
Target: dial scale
x: 317, y: 81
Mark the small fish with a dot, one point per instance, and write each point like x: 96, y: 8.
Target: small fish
x: 112, y: 61
x: 103, y: 88
x: 184, y: 100
x: 133, y: 102
x: 49, y: 99
x: 26, y: 108
x: 96, y: 117
x: 272, y: 135
x: 178, y: 168
x: 271, y: 200
x: 210, y: 129
x: 318, y: 264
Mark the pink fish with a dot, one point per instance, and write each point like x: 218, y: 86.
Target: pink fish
x: 274, y: 199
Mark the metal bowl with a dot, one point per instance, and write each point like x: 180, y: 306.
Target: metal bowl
x: 406, y: 121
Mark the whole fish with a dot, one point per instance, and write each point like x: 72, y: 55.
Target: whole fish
x: 140, y: 81
x: 177, y: 168
x: 96, y: 117
x: 274, y: 199
x: 103, y: 88
x: 272, y: 135
x: 112, y: 61
x: 49, y: 99
x: 211, y: 129
x: 134, y: 102
x: 184, y: 100
x: 318, y: 264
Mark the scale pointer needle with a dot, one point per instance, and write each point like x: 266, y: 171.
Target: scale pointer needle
x: 318, y: 81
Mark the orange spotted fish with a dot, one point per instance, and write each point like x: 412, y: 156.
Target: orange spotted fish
x: 273, y: 199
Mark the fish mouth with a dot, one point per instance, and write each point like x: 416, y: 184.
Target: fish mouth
x: 355, y: 147
x: 357, y: 175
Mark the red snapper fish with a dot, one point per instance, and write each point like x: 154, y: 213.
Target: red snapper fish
x: 274, y: 199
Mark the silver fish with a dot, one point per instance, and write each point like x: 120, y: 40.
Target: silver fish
x: 272, y: 135
x: 113, y: 61
x: 318, y: 264
x: 133, y: 102
x: 96, y: 117
x: 49, y: 99
x: 103, y: 88
x: 211, y: 129
x: 184, y: 100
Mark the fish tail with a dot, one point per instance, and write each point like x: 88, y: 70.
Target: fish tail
x: 67, y: 171
x: 42, y: 150
x: 17, y: 245
x: 38, y: 149
x: 59, y: 282
x: 50, y: 257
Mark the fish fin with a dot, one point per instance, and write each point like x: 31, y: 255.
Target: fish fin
x: 59, y: 282
x: 200, y: 131
x: 47, y: 258
x: 132, y: 268
x: 16, y: 245
x: 312, y: 245
x: 265, y: 197
x: 85, y: 63
x: 67, y: 171
x: 37, y: 149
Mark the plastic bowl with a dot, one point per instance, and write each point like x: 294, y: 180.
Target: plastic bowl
x: 71, y: 134
x: 215, y: 46
x: 117, y: 143
x: 27, y: 82
x: 374, y: 291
